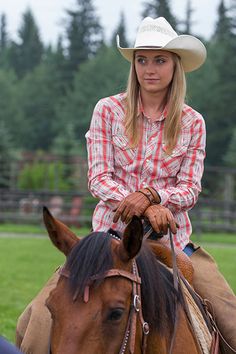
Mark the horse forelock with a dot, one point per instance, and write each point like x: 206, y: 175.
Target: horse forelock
x: 92, y: 255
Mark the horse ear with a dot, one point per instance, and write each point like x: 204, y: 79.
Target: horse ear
x: 132, y: 239
x: 61, y: 236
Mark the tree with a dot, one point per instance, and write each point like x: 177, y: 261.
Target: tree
x: 121, y: 30
x: 84, y: 35
x: 56, y: 60
x: 9, y: 108
x: 222, y: 55
x: 27, y: 54
x: 223, y: 30
x: 3, y: 41
x: 6, y: 156
x: 187, y: 23
x: 157, y: 8
x: 104, y: 75
x: 229, y: 158
x: 3, y: 33
x: 38, y: 95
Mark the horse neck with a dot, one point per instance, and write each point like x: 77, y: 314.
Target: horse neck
x: 157, y: 344
x: 184, y: 339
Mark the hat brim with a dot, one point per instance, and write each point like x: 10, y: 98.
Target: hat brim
x: 189, y: 48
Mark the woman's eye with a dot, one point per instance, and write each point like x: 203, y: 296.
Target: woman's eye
x: 141, y: 60
x: 160, y: 60
x: 115, y: 314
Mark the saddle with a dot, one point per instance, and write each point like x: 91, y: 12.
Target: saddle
x: 163, y: 252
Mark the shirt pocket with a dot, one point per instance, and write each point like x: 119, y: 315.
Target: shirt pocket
x: 171, y: 162
x: 123, y: 153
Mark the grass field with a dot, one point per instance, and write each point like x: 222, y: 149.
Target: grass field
x: 27, y: 262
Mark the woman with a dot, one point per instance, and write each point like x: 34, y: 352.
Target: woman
x: 146, y: 149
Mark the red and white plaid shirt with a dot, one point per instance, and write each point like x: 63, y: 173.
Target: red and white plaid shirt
x: 116, y: 169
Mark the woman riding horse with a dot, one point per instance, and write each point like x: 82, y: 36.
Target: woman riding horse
x: 146, y: 149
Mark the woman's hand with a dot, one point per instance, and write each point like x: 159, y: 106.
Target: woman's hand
x: 161, y: 219
x: 134, y: 204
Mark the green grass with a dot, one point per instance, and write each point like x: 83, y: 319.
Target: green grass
x: 214, y: 238
x: 27, y: 262
x: 33, y: 229
x: 225, y: 258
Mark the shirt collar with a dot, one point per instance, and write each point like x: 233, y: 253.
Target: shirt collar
x: 142, y: 113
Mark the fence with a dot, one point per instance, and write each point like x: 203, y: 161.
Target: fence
x: 26, y: 206
x: 215, y: 210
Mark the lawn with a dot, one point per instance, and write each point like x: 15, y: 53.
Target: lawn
x: 27, y: 262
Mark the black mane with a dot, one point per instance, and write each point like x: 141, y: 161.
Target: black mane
x: 92, y: 255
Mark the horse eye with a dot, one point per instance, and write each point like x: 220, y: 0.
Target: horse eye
x: 115, y: 314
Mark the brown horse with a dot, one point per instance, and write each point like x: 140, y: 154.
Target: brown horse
x: 113, y: 296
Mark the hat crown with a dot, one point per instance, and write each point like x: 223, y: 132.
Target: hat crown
x: 158, y: 34
x: 154, y: 33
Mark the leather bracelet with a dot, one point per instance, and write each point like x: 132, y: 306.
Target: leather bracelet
x: 151, y: 189
x: 146, y: 195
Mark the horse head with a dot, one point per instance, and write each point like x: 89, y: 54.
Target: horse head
x: 91, y: 304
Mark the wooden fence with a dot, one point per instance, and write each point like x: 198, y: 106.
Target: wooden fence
x: 26, y: 206
x: 215, y: 210
x: 76, y: 209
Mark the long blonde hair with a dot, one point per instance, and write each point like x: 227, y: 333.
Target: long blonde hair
x: 175, y: 102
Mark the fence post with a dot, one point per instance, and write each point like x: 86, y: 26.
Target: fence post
x: 228, y: 198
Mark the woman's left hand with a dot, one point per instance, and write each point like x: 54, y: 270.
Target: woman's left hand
x: 161, y: 218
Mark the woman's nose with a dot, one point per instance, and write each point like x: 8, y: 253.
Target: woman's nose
x: 150, y: 68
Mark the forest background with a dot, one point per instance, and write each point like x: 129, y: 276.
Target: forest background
x: 48, y: 92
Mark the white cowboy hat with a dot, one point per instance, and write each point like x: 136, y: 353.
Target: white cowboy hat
x: 158, y: 34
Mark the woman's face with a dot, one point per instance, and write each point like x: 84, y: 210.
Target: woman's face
x: 154, y: 69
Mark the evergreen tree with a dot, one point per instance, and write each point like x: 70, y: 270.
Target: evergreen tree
x: 232, y: 12
x: 121, y: 30
x: 223, y: 29
x: 3, y: 41
x: 97, y: 78
x: 3, y: 33
x: 9, y: 107
x: 84, y: 35
x: 229, y: 158
x: 187, y: 23
x: 221, y: 112
x: 38, y: 95
x: 27, y: 54
x: 160, y: 8
x: 56, y: 59
x: 6, y: 156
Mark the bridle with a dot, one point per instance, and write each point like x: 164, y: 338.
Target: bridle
x: 135, y: 311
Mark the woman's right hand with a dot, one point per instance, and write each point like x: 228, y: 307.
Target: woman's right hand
x: 161, y: 219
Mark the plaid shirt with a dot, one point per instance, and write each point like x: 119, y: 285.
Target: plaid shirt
x: 116, y: 169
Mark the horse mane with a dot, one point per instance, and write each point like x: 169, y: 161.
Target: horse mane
x: 92, y: 255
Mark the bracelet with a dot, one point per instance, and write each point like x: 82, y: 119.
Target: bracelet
x: 146, y: 195
x: 151, y: 189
